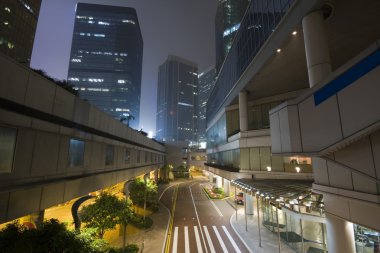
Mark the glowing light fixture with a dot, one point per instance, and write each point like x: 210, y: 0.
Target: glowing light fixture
x: 278, y: 50
x: 269, y: 168
x: 298, y: 169
x: 294, y: 33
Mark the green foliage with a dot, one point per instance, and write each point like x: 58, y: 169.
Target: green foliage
x: 63, y: 83
x: 51, y: 236
x: 218, y: 190
x: 137, y: 191
x: 106, y: 213
x: 138, y: 221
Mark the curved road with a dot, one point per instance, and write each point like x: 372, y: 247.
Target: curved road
x: 199, y: 224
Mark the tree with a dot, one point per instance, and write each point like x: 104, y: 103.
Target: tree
x: 50, y: 236
x: 137, y: 190
x: 102, y: 215
x: 127, y: 118
x: 125, y: 216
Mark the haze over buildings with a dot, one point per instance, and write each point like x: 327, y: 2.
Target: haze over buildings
x: 106, y: 59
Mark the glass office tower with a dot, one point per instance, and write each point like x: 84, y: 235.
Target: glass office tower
x: 18, y: 23
x: 206, y: 81
x: 106, y: 59
x: 227, y: 22
x: 177, y: 100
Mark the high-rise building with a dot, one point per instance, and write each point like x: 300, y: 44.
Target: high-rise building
x: 18, y: 22
x: 177, y: 100
x: 227, y: 22
x: 206, y: 81
x: 106, y: 59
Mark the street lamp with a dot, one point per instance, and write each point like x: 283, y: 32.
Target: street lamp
x: 258, y: 214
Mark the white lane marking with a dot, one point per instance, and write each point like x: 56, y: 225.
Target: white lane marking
x: 175, y: 240
x: 212, y: 249
x: 198, y: 240
x: 231, y: 239
x: 236, y: 233
x: 220, y: 239
x: 196, y: 213
x: 187, y: 245
x: 216, y: 208
x: 163, y: 192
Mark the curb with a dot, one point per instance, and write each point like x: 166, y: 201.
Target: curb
x: 241, y: 239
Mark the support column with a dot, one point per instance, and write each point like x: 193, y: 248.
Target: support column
x: 340, y: 234
x: 210, y: 177
x: 243, y: 111
x: 317, y: 52
x: 249, y: 203
x: 219, y: 182
x: 226, y: 184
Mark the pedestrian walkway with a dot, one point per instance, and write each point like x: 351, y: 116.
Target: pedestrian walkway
x: 269, y: 240
x: 222, y: 237
x: 152, y: 239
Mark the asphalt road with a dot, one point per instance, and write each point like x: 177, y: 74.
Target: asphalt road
x: 199, y: 224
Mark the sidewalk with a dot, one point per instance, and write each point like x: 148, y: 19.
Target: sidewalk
x: 269, y: 240
x: 152, y: 239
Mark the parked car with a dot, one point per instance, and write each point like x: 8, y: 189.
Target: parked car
x: 239, y: 198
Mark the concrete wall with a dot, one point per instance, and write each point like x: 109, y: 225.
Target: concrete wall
x: 302, y: 126
x: 46, y: 117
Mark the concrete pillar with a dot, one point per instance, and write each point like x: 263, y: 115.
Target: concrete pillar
x: 248, y: 202
x: 210, y: 177
x: 340, y: 234
x: 219, y: 182
x: 317, y: 52
x: 243, y: 111
x: 226, y: 184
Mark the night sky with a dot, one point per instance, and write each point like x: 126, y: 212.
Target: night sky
x: 181, y: 27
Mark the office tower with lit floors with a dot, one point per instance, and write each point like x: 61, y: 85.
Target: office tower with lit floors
x: 206, y: 81
x: 106, y: 59
x: 227, y: 22
x: 177, y: 100
x: 18, y: 23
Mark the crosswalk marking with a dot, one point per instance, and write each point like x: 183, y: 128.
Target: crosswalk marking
x: 187, y: 246
x: 175, y: 240
x: 231, y: 240
x: 223, y: 244
x: 212, y: 249
x: 198, y: 240
x: 220, y: 239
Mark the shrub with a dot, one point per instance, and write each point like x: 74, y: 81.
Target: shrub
x: 138, y: 222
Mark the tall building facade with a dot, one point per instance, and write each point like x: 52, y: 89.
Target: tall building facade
x: 227, y: 22
x: 206, y: 81
x: 177, y: 100
x: 18, y: 23
x: 106, y: 59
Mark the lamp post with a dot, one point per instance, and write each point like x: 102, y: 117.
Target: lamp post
x: 278, y: 225
x: 258, y: 215
x: 144, y: 197
x: 245, y: 207
x: 235, y: 199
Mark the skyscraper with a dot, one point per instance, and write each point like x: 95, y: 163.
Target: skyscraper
x: 18, y: 22
x: 206, y: 81
x: 106, y: 59
x: 177, y: 100
x: 227, y: 21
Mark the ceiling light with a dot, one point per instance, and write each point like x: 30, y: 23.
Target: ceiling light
x: 278, y: 50
x: 294, y: 33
